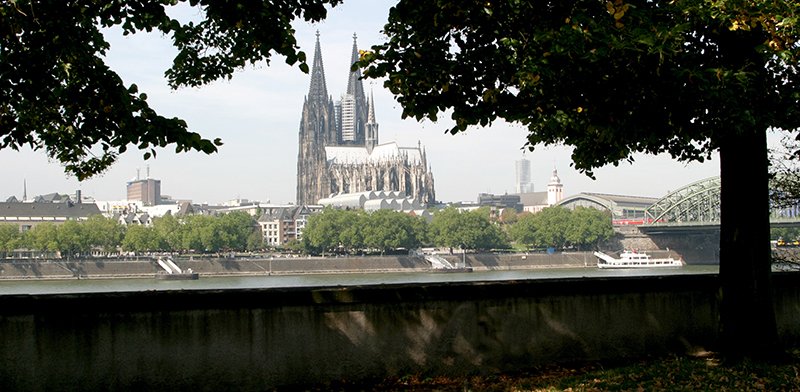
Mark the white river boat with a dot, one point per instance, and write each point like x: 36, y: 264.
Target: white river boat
x: 633, y: 259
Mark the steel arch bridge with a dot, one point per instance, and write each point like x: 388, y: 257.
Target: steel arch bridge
x: 699, y: 204
x: 696, y: 203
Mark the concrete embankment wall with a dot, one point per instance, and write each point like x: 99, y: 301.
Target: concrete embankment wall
x: 512, y: 261
x: 63, y: 269
x: 146, y: 267
x: 269, y: 338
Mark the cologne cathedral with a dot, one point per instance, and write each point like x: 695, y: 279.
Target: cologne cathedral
x: 339, y: 151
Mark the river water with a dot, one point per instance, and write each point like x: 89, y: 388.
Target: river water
x: 322, y: 280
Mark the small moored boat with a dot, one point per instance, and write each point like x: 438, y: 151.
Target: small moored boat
x: 633, y: 259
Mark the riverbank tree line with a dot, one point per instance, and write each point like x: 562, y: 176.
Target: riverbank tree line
x: 354, y: 231
x: 331, y: 231
x: 198, y: 233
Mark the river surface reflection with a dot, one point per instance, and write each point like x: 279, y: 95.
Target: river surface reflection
x: 322, y: 280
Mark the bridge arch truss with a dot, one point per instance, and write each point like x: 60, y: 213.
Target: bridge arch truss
x: 698, y: 202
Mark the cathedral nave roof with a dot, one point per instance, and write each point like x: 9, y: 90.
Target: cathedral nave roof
x: 381, y: 153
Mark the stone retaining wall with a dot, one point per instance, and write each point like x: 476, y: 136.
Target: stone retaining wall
x: 260, y: 339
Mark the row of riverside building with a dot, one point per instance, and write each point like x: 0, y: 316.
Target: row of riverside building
x: 280, y: 224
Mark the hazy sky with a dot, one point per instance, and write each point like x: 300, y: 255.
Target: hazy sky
x: 257, y: 115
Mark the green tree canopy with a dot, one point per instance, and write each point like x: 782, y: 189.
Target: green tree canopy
x: 103, y: 232
x: 443, y: 228
x: 255, y: 241
x: 201, y: 234
x: 785, y: 174
x: 72, y: 238
x: 387, y: 230
x: 588, y: 227
x: 354, y: 230
x: 609, y: 78
x: 236, y: 228
x: 43, y: 237
x: 57, y: 93
x: 509, y: 216
x: 471, y: 230
x: 10, y: 237
x: 524, y: 230
x: 612, y: 78
x: 169, y: 231
x: 552, y: 227
x: 141, y: 239
x: 560, y: 227
x: 332, y: 228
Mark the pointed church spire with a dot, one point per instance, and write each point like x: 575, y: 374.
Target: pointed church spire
x: 371, y: 110
x: 354, y: 85
x: 371, y: 138
x: 317, y: 127
x: 356, y: 134
x: 318, y: 91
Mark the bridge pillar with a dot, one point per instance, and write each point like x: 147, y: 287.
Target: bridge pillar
x: 696, y: 245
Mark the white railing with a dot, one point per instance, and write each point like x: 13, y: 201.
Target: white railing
x: 169, y: 266
x: 438, y: 262
x: 164, y: 265
x: 172, y: 265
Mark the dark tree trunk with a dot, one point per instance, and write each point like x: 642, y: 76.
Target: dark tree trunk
x: 747, y: 314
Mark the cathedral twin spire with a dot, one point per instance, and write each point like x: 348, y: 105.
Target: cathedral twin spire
x: 351, y: 112
x: 350, y: 122
x: 318, y: 91
x: 354, y: 85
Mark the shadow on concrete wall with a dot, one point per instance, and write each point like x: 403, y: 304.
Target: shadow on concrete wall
x: 261, y: 339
